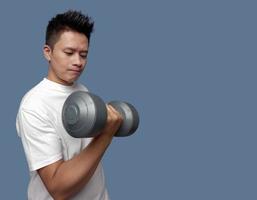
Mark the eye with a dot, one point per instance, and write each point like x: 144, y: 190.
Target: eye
x: 84, y: 56
x: 68, y: 53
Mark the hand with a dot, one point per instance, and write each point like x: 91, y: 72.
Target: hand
x: 113, y: 122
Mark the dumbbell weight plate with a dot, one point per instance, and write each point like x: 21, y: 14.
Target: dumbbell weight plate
x: 84, y: 114
x: 130, y: 118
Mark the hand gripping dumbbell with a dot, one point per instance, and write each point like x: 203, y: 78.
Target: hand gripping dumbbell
x: 85, y: 114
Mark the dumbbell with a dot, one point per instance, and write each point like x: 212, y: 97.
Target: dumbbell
x: 84, y: 114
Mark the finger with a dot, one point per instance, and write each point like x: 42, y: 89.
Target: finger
x: 114, y: 110
x: 112, y: 113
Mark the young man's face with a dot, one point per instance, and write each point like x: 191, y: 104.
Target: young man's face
x: 68, y: 57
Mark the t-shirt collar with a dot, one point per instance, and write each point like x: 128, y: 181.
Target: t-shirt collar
x: 58, y: 86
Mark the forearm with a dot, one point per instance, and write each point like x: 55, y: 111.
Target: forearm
x: 72, y: 175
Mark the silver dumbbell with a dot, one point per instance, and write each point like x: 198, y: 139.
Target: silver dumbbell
x: 84, y: 115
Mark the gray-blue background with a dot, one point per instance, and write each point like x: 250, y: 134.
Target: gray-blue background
x: 188, y: 66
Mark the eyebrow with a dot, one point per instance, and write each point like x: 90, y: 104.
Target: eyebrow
x: 74, y: 49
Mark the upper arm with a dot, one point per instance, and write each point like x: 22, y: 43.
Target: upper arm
x: 47, y: 174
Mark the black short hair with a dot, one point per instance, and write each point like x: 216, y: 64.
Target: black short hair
x: 69, y: 20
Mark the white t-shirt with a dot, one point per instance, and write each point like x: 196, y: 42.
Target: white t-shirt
x: 45, y: 141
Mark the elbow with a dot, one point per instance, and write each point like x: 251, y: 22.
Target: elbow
x: 56, y: 194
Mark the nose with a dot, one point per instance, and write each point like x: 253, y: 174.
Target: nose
x: 78, y: 61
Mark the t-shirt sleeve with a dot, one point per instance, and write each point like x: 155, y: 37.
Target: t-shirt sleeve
x: 41, y: 144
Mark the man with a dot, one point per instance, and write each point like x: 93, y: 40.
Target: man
x: 62, y: 167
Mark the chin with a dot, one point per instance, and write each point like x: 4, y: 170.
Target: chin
x: 71, y: 81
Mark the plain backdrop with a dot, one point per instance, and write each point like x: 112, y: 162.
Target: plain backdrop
x: 189, y: 67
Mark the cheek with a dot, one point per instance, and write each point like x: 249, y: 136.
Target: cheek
x: 61, y: 63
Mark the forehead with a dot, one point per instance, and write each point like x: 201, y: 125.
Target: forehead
x: 72, y: 39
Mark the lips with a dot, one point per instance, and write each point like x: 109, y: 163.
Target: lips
x: 75, y: 70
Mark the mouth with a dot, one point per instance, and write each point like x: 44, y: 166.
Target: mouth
x: 75, y: 71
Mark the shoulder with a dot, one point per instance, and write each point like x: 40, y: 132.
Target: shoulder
x: 33, y: 99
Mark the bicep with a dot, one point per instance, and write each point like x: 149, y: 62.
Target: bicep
x: 47, y: 175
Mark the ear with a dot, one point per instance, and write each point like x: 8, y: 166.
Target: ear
x: 47, y: 52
